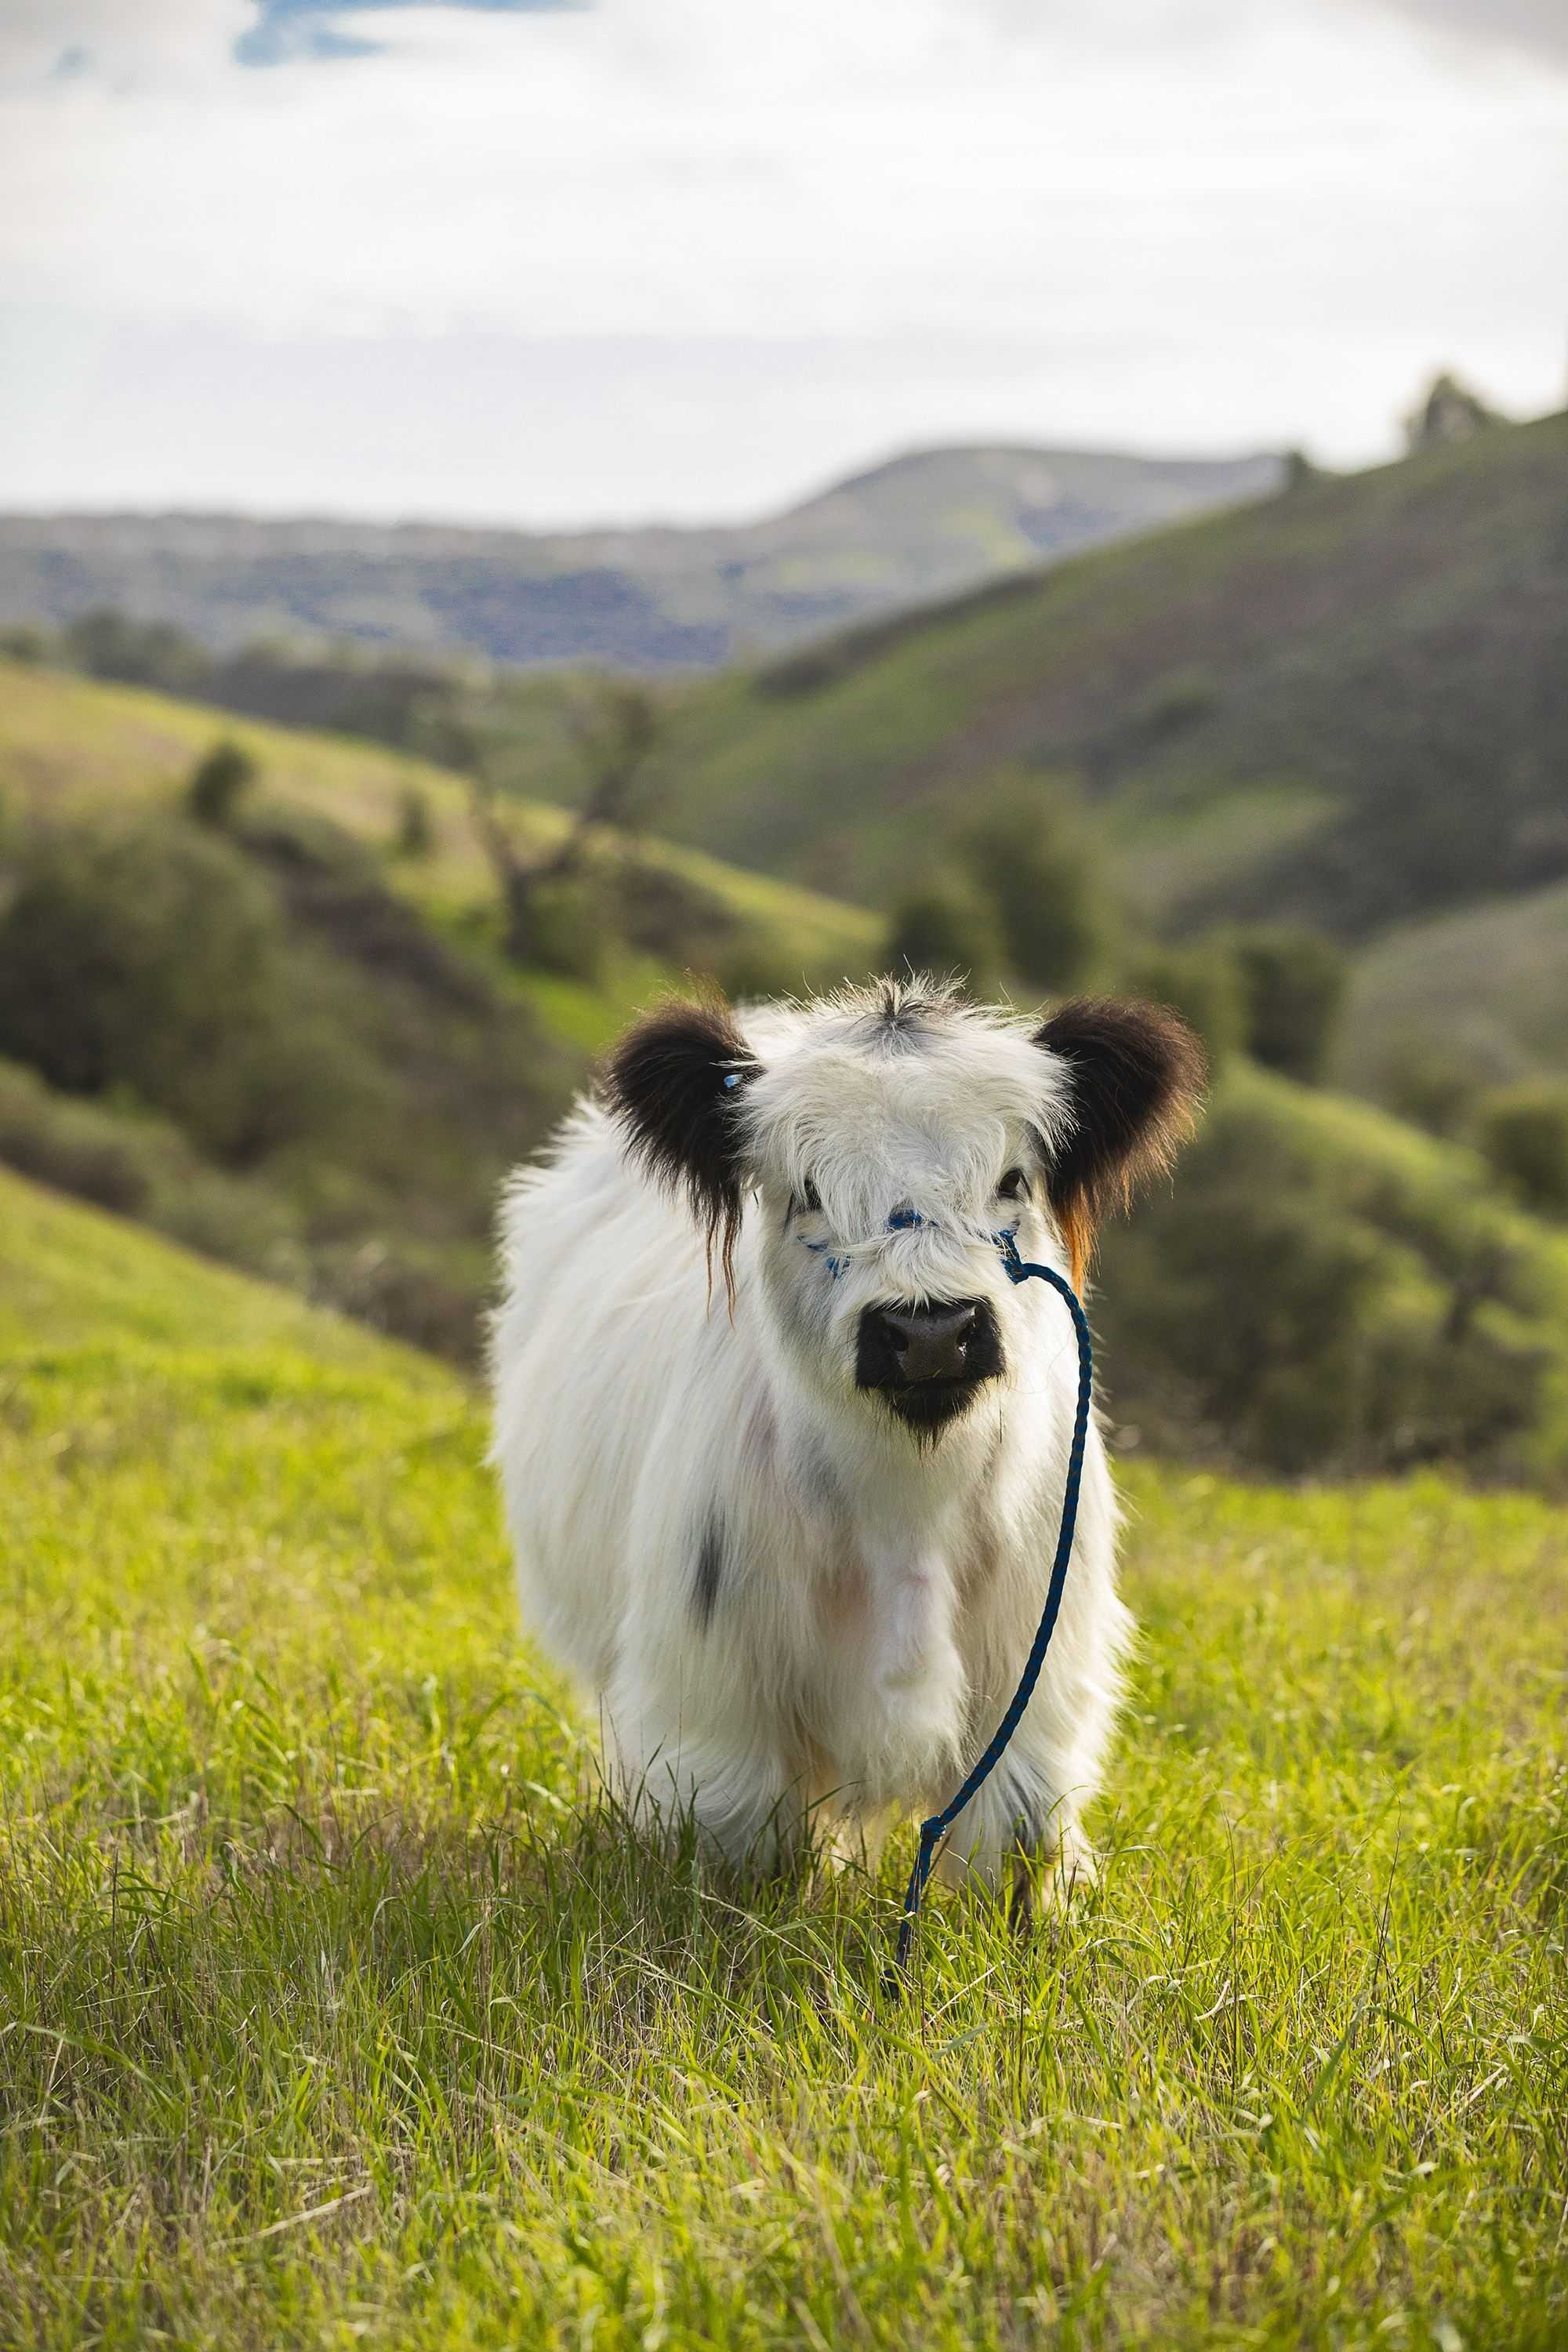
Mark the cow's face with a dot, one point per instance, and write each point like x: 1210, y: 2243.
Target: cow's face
x: 890, y: 1138
x: 890, y: 1147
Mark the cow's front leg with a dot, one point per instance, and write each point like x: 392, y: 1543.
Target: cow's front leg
x: 1022, y: 1830
x: 724, y: 1776
x: 913, y: 1703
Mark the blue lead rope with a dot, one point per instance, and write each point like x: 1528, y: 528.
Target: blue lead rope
x: 932, y: 1830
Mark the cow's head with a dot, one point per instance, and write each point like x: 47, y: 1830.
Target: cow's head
x: 888, y: 1137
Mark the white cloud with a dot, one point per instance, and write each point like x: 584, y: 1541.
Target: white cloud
x: 689, y: 253
x: 1536, y: 27
x: 128, y: 44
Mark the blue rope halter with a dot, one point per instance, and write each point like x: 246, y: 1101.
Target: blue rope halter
x: 1019, y: 1270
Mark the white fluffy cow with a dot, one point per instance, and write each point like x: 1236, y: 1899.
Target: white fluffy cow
x: 795, y: 1524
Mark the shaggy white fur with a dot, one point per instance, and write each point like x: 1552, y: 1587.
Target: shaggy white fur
x: 792, y: 1605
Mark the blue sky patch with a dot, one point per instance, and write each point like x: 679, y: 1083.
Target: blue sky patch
x: 309, y: 28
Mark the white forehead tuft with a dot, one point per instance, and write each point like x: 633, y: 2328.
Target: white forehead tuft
x: 898, y: 1092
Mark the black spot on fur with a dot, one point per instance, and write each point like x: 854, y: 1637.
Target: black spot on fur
x: 709, y: 1573
x: 665, y: 1083
x: 1137, y: 1075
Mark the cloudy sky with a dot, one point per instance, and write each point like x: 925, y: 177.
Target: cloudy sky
x: 634, y: 258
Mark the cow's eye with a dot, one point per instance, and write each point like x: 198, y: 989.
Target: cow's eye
x: 810, y: 1200
x: 1015, y: 1186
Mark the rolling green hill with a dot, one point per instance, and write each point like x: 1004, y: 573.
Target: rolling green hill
x: 1323, y: 1284
x: 70, y: 743
x: 1479, y: 995
x: 337, y: 2006
x: 281, y: 1041
x: 1357, y: 1295
x: 1346, y: 705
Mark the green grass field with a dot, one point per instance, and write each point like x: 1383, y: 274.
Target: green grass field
x: 335, y: 2007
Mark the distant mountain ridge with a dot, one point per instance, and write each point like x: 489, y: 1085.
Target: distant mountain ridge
x: 1346, y: 706
x: 920, y: 527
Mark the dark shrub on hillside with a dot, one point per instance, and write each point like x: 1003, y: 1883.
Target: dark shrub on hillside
x: 290, y: 1016
x: 416, y: 835
x: 571, y: 927
x: 446, y: 1077
x: 1292, y: 984
x: 219, y: 782
x: 755, y: 965
x: 946, y: 926
x: 25, y: 641
x: 1201, y: 982
x: 148, y: 957
x: 106, y: 644
x: 666, y: 914
x: 1281, y: 1304
x: 1033, y: 854
x: 405, y: 1292
x: 1523, y: 1132
x: 1449, y: 411
x: 1246, y: 1306
x: 1180, y: 701
x: 141, y: 1166
x: 1429, y: 1084
x: 346, y: 690
x: 84, y: 1155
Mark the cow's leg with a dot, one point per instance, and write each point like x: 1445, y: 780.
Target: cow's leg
x: 905, y: 1719
x: 1028, y: 1811
x: 726, y: 1778
x: 1030, y: 1808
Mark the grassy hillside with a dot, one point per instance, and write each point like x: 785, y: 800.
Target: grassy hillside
x: 1322, y: 1284
x: 310, y: 1061
x: 1480, y: 995
x: 335, y: 2006
x: 70, y: 742
x: 302, y: 1054
x: 281, y: 1040
x: 1347, y: 705
x: 918, y: 527
x: 76, y: 1284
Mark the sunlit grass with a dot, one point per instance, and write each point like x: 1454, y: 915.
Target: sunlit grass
x: 335, y: 2005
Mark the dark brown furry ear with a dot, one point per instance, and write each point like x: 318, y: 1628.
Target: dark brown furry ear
x: 673, y: 1084
x: 1138, y: 1073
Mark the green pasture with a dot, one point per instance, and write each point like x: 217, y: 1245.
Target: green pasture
x: 336, y: 2008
